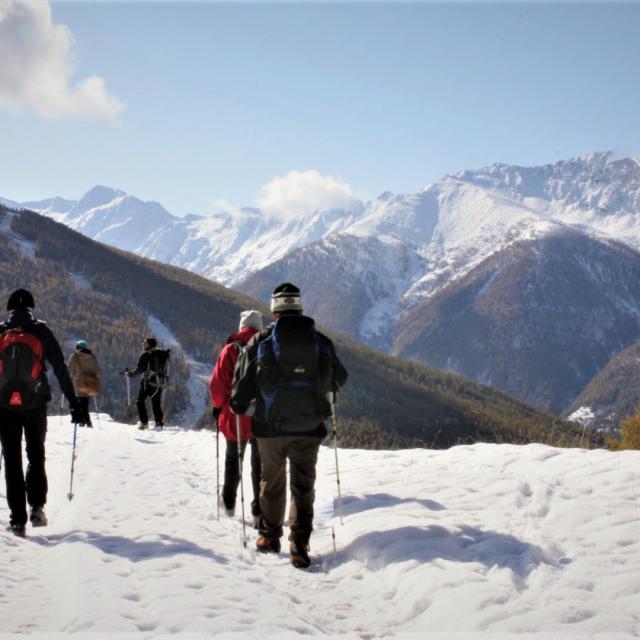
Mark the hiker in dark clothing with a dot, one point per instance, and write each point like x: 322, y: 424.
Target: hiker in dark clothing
x: 85, y: 373
x: 289, y: 416
x: 220, y: 388
x: 25, y: 344
x: 151, y: 383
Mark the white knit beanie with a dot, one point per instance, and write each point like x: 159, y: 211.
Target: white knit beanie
x: 286, y: 297
x: 251, y: 318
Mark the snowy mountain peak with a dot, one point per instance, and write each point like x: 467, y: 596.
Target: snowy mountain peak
x: 98, y: 196
x: 596, y: 182
x: 57, y: 205
x: 447, y: 228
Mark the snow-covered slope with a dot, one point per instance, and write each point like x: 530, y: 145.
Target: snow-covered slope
x: 460, y: 220
x: 450, y: 228
x: 353, y: 285
x: 497, y: 541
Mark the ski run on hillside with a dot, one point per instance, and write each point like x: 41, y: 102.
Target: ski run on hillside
x: 483, y: 541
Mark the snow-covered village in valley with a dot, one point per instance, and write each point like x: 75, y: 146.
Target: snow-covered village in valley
x: 322, y: 320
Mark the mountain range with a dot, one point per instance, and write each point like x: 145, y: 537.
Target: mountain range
x: 113, y: 299
x: 519, y: 277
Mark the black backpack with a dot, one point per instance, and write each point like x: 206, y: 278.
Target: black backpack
x: 294, y: 375
x: 157, y: 374
x: 23, y: 384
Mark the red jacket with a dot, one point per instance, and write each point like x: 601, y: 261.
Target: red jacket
x: 220, y: 386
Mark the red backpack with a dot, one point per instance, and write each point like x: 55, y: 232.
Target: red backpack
x: 22, y: 385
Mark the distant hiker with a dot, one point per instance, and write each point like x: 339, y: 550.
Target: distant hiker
x: 25, y: 344
x: 289, y: 368
x: 85, y: 373
x: 220, y: 387
x: 153, y: 367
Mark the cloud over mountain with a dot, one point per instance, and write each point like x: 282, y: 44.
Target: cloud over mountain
x: 300, y: 193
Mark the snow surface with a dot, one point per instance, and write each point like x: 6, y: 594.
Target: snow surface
x: 584, y: 415
x: 483, y: 541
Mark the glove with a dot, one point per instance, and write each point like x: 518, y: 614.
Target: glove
x: 74, y: 410
x: 215, y: 412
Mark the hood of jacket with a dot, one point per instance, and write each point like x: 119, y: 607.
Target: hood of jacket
x: 84, y: 355
x: 21, y: 318
x: 244, y: 335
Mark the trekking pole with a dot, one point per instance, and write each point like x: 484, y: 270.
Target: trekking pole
x: 244, y: 526
x: 215, y: 424
x: 332, y: 401
x: 128, y: 392
x: 95, y: 404
x: 73, y: 460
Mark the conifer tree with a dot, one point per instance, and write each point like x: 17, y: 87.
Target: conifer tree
x: 629, y: 433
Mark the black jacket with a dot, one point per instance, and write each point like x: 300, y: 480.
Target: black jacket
x: 52, y: 352
x: 144, y: 365
x: 245, y: 387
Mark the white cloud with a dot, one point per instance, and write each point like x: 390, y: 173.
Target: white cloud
x: 224, y: 205
x: 300, y: 193
x: 36, y: 66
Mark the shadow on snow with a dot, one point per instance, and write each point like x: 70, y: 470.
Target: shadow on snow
x: 356, y: 504
x: 425, y: 544
x: 135, y: 550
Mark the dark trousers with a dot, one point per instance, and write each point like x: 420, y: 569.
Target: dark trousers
x: 302, y: 453
x: 34, y: 487
x: 232, y: 474
x: 84, y: 416
x: 155, y: 393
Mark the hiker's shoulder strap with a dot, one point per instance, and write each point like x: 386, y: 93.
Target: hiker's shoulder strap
x: 239, y: 345
x: 265, y: 346
x: 325, y: 344
x: 340, y: 373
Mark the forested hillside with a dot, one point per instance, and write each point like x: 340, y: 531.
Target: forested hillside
x: 537, y: 320
x: 614, y: 394
x: 87, y: 290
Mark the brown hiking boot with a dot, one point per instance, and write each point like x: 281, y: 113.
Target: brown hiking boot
x: 17, y: 530
x: 38, y: 517
x: 268, y: 545
x: 299, y: 554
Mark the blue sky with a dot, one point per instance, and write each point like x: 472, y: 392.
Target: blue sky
x: 209, y: 101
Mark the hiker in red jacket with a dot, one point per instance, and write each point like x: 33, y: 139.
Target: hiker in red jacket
x: 220, y: 387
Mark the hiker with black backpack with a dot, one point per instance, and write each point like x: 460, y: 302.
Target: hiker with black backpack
x: 25, y: 344
x: 225, y: 419
x: 289, y: 369
x: 153, y: 367
x: 85, y: 373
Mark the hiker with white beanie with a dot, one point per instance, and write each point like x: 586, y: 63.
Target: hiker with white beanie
x: 220, y: 388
